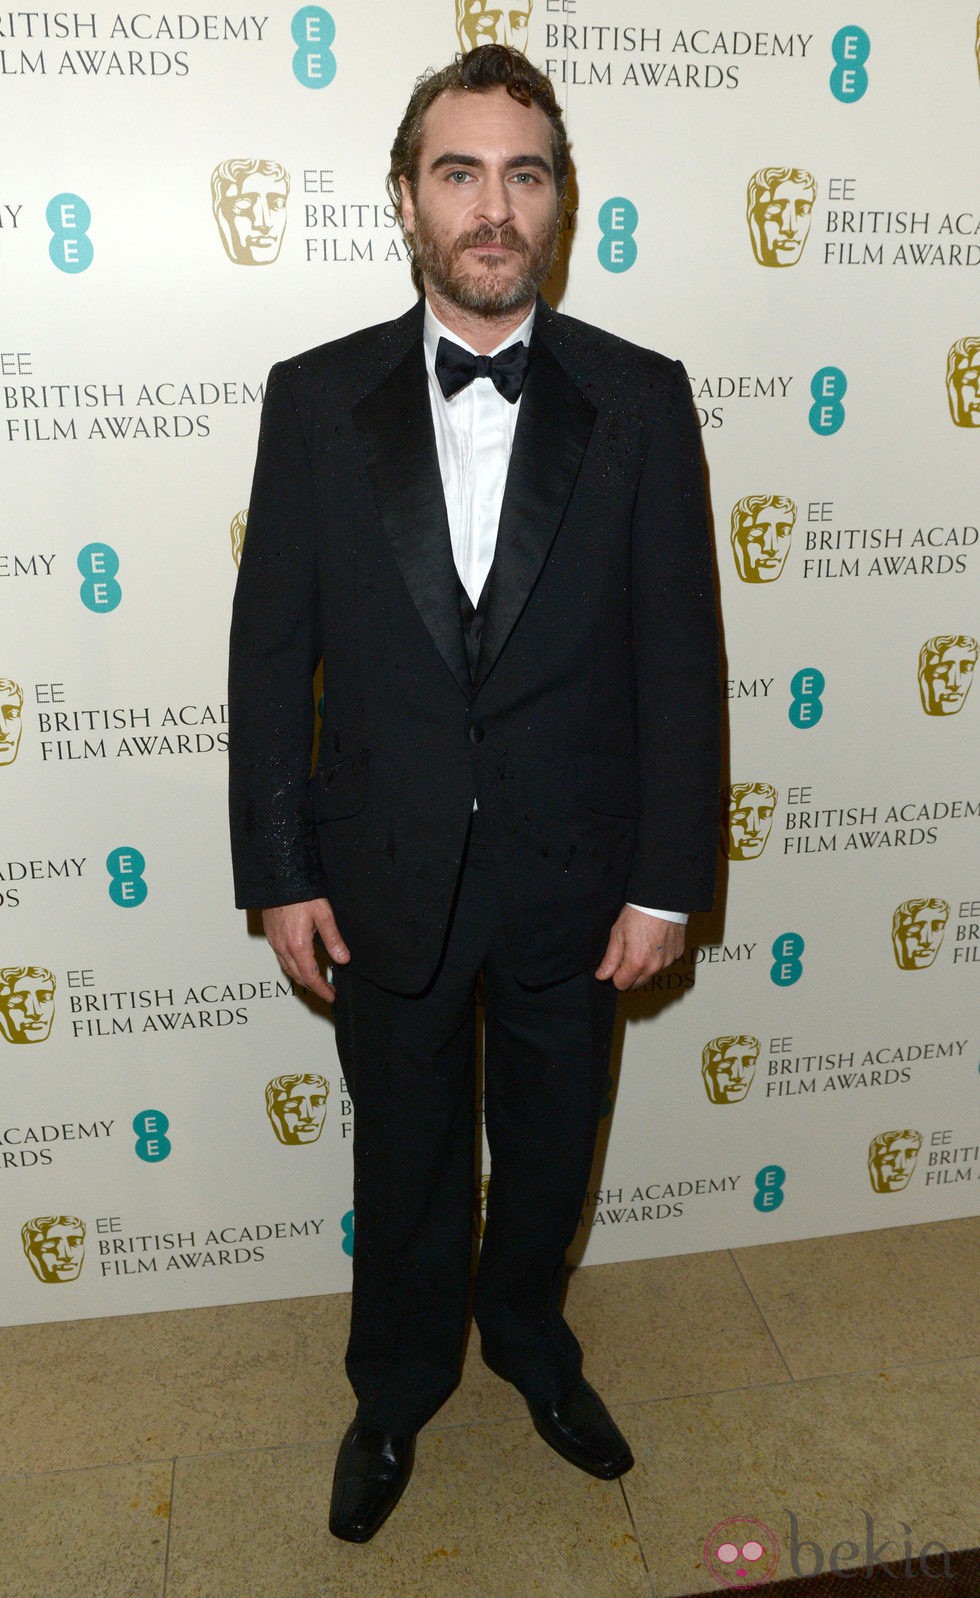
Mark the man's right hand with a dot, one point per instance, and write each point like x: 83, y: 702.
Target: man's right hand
x: 290, y: 929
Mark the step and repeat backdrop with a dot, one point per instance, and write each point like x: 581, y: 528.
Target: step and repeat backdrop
x: 782, y: 194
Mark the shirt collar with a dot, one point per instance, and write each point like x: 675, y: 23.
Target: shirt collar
x: 433, y: 330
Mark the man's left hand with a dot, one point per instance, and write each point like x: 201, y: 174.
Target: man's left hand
x: 640, y: 946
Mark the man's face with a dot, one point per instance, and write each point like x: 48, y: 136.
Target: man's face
x: 254, y: 213
x: 10, y: 725
x: 761, y: 547
x: 750, y: 821
x: 945, y: 679
x: 26, y: 1012
x: 783, y: 221
x: 484, y: 219
x: 302, y: 1111
x: 728, y: 1074
x: 918, y: 937
x: 58, y: 1255
x: 892, y: 1164
x: 965, y: 391
x: 493, y: 22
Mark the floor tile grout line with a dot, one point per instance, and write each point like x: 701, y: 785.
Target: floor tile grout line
x: 639, y: 1539
x: 170, y: 1521
x: 323, y: 1440
x: 759, y: 1311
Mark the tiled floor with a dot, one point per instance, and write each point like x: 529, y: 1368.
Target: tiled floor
x: 189, y: 1455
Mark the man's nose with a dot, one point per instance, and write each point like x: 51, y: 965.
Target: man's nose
x: 495, y: 202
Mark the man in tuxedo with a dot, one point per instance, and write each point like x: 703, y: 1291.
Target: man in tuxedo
x: 487, y: 521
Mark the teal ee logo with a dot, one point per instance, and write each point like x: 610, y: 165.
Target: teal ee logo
x: 69, y: 219
x: 314, y: 63
x: 151, y: 1128
x: 850, y: 49
x: 126, y: 885
x: 828, y: 388
x: 806, y: 704
x: 769, y: 1187
x: 98, y: 564
x: 617, y: 224
x: 787, y: 967
x: 347, y: 1227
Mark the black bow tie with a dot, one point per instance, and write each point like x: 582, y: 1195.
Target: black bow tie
x: 456, y: 367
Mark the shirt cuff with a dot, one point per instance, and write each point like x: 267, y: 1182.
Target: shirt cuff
x: 679, y: 916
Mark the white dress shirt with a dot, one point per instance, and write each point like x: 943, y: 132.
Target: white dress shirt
x: 474, y: 434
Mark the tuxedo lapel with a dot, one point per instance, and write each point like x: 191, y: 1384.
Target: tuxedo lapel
x: 553, y: 429
x: 394, y: 422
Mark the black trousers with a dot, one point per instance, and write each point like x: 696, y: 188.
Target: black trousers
x: 409, y: 1063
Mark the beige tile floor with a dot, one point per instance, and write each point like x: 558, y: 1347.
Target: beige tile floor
x: 189, y: 1455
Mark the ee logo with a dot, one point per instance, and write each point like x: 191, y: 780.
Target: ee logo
x: 126, y: 886
x: 98, y: 564
x: 850, y: 49
x: 617, y: 223
x: 769, y: 1188
x: 314, y: 63
x: 787, y: 967
x: 347, y: 1227
x: 806, y: 704
x: 828, y: 388
x: 151, y: 1128
x: 69, y: 219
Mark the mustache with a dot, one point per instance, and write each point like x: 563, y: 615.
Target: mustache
x: 507, y: 235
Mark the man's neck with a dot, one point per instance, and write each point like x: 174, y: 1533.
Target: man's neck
x: 482, y: 333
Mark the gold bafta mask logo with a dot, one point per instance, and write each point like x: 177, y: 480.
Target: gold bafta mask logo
x: 891, y: 1159
x: 11, y: 719
x: 779, y: 208
x: 249, y: 203
x: 481, y: 1219
x: 55, y: 1247
x: 237, y: 529
x: 493, y: 22
x: 917, y: 932
x: 296, y: 1104
x: 747, y: 820
x: 728, y: 1067
x: 963, y: 382
x: 762, y: 532
x: 946, y: 666
x: 26, y: 1003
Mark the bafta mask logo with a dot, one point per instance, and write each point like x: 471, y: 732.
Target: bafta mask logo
x: 493, y: 22
x: 946, y: 666
x: 481, y: 1217
x: 55, y: 1247
x: 11, y: 719
x: 779, y: 208
x: 891, y: 1159
x: 917, y: 932
x: 762, y: 532
x: 237, y: 529
x: 249, y: 203
x: 963, y: 382
x: 26, y: 1003
x: 728, y: 1067
x: 748, y: 819
x: 296, y: 1104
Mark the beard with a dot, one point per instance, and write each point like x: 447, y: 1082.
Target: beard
x: 491, y: 293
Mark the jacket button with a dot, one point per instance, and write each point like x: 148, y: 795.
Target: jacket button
x: 476, y: 733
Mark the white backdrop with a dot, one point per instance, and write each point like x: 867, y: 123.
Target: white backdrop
x: 820, y: 1073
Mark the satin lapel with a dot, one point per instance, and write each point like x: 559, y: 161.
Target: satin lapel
x: 553, y: 429
x: 394, y: 422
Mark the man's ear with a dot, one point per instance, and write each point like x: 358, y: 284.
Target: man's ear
x: 408, y: 204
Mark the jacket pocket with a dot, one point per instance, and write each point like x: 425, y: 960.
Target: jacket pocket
x: 340, y: 789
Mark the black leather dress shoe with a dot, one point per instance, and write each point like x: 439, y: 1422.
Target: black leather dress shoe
x: 372, y: 1472
x: 581, y: 1429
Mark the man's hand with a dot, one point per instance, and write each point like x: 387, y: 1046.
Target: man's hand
x: 639, y: 946
x: 290, y: 929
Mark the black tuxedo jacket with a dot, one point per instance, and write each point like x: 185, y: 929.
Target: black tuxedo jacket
x: 588, y: 732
